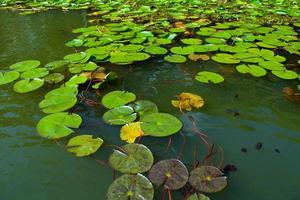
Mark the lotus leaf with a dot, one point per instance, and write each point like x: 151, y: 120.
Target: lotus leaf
x: 133, y: 187
x: 120, y: 115
x: 117, y: 98
x: 160, y: 124
x: 28, y: 85
x: 58, y: 125
x: 175, y: 59
x: 35, y: 73
x: 285, y: 74
x: 209, y: 77
x: 25, y: 65
x: 131, y: 159
x: 8, y: 77
x: 254, y: 70
x: 84, y: 145
x: 172, y: 174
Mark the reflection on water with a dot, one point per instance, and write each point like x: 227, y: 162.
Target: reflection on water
x: 238, y: 113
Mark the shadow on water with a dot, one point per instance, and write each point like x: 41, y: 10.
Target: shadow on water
x: 238, y: 114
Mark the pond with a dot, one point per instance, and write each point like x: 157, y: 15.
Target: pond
x: 238, y: 114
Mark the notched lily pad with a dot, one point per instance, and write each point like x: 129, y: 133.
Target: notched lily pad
x: 84, y: 145
x: 172, y: 174
x: 28, y: 85
x: 209, y: 77
x: 175, y: 59
x: 120, y: 115
x: 117, y: 98
x: 8, y: 77
x: 25, y: 65
x: 144, y: 107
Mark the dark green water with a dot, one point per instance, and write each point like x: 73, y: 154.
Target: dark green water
x: 32, y: 168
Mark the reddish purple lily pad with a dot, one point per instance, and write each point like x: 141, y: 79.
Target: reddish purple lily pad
x: 208, y: 179
x: 172, y: 174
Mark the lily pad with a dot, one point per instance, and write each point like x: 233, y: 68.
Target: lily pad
x: 77, y: 57
x: 56, y: 64
x: 191, y: 41
x: 84, y: 145
x: 58, y: 125
x: 270, y: 65
x: 35, y: 73
x: 120, y: 115
x: 254, y: 70
x: 155, y: 50
x: 144, y: 107
x: 196, y: 196
x: 54, y: 78
x: 8, y: 77
x: 160, y: 124
x: 209, y: 77
x: 225, y: 58
x: 207, y: 179
x: 172, y: 174
x: 25, y: 65
x: 175, y: 59
x: 131, y: 159
x: 132, y: 187
x: 28, y: 85
x: 285, y: 74
x: 117, y: 98
x: 182, y: 50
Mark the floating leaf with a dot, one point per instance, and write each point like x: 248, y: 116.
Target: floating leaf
x: 175, y: 59
x: 84, y: 145
x: 285, y: 74
x: 207, y: 179
x: 117, y: 98
x: 120, y: 115
x: 172, y: 174
x: 25, y: 65
x: 132, y: 159
x: 270, y: 65
x: 58, y: 125
x: 35, y: 73
x: 8, y: 77
x: 77, y: 57
x: 196, y: 57
x: 56, y: 64
x: 132, y: 48
x: 131, y: 187
x: 209, y: 77
x: 225, y: 58
x: 131, y: 131
x: 163, y: 41
x: 74, y: 43
x: 182, y: 50
x: 191, y: 41
x: 54, y: 78
x: 254, y: 70
x: 215, y: 40
x: 28, y: 85
x: 155, y: 50
x: 144, y: 107
x: 160, y: 124
x: 196, y: 196
x: 188, y: 100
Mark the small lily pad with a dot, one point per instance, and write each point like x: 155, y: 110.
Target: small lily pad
x: 285, y: 74
x: 225, y: 58
x: 56, y: 64
x: 160, y: 124
x: 271, y: 65
x: 58, y: 125
x: 207, y: 179
x: 172, y: 174
x: 131, y: 159
x: 54, y: 78
x: 120, y: 115
x: 175, y: 59
x: 144, y: 107
x: 191, y: 41
x: 209, y: 77
x: 155, y: 50
x: 182, y: 50
x: 132, y: 187
x: 8, y: 77
x: 25, y: 65
x: 254, y: 70
x: 117, y: 98
x: 35, y: 73
x: 84, y: 145
x: 28, y: 85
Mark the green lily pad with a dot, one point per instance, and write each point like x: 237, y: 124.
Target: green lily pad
x: 28, y: 85
x: 144, y: 107
x: 76, y: 68
x: 132, y: 48
x: 120, y: 115
x: 225, y: 58
x: 84, y: 145
x: 8, y: 77
x: 25, y: 65
x: 254, y: 70
x: 209, y: 77
x: 205, y: 48
x: 182, y: 50
x: 132, y: 187
x: 160, y: 124
x: 271, y: 65
x: 196, y: 196
x: 58, y: 125
x: 74, y: 43
x: 56, y: 64
x: 285, y: 74
x: 172, y: 174
x: 35, y: 73
x: 175, y: 59
x: 77, y: 57
x: 191, y: 41
x: 163, y: 41
x: 155, y: 50
x: 59, y: 99
x: 76, y: 80
x: 54, y: 78
x: 131, y: 159
x: 207, y: 179
x: 117, y: 98
x: 215, y: 40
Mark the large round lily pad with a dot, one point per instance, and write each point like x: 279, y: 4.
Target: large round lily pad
x: 58, y: 125
x: 28, y: 85
x: 285, y: 74
x: 25, y: 65
x: 172, y: 174
x: 207, y: 179
x: 84, y: 145
x: 8, y: 77
x: 209, y: 77
x: 120, y: 115
x: 117, y: 98
x: 35, y: 73
x: 160, y: 124
x: 144, y: 107
x: 175, y: 59
x: 133, y: 187
x: 131, y: 159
